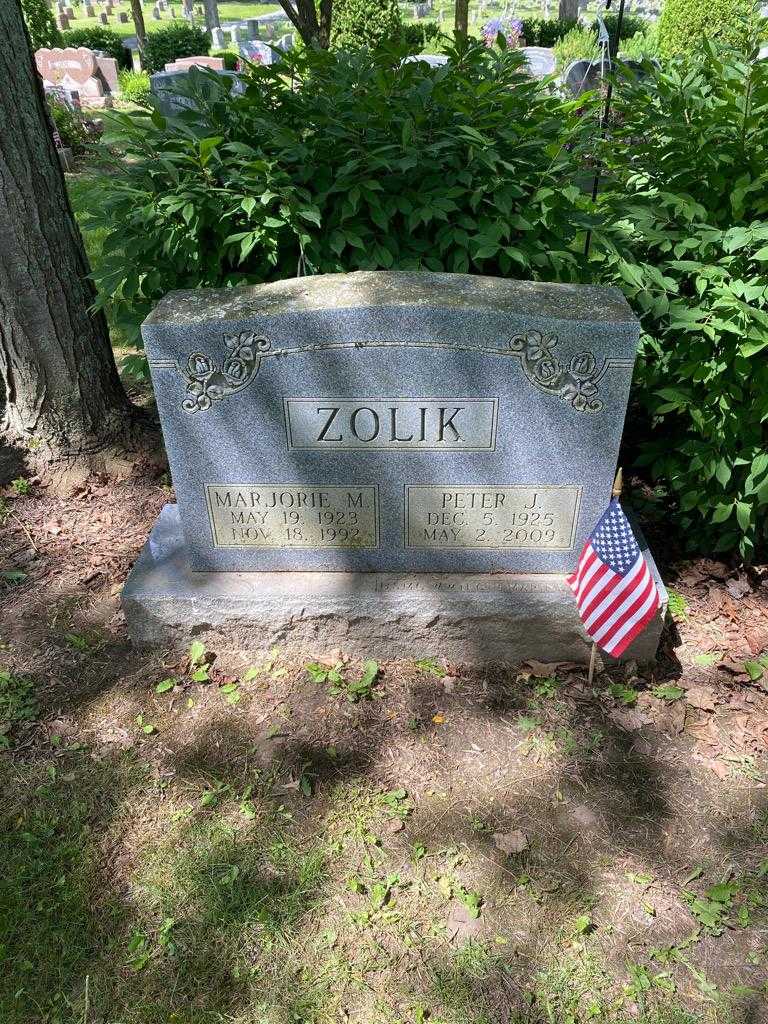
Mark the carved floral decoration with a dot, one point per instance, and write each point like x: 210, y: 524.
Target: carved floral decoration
x: 206, y: 383
x: 574, y: 382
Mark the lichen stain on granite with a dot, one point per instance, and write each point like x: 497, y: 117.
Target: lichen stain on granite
x: 393, y: 288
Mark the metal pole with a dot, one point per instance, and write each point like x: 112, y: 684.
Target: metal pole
x: 614, y: 49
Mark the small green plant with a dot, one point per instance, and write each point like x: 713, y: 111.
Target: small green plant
x: 17, y: 703
x: 362, y: 688
x: 21, y: 487
x: 757, y: 668
x: 146, y: 727
x: 544, y: 688
x: 642, y: 45
x: 429, y: 666
x: 11, y: 577
x: 165, y: 685
x: 711, y: 909
x: 134, y: 87
x: 199, y: 668
x: 678, y: 606
x: 668, y: 692
x: 354, y: 690
x: 397, y: 804
x: 231, y: 692
x: 470, y: 900
x: 623, y: 694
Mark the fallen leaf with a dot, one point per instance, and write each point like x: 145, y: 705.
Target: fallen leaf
x: 700, y: 697
x: 449, y: 683
x: 438, y: 719
x: 510, y: 842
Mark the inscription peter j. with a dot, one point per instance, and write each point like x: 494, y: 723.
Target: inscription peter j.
x: 542, y: 518
x: 293, y: 516
x: 401, y: 424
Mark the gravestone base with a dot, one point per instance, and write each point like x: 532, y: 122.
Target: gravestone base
x: 469, y: 618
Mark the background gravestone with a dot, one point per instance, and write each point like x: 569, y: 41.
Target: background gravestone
x: 540, y: 60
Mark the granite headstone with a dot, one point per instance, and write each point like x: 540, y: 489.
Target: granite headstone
x: 392, y: 421
x: 389, y: 462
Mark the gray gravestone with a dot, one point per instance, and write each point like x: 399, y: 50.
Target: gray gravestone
x: 169, y: 89
x: 420, y: 456
x: 581, y: 76
x: 472, y: 424
x: 256, y: 51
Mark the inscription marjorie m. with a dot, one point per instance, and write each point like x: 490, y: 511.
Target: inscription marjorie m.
x: 293, y: 515
x: 431, y: 424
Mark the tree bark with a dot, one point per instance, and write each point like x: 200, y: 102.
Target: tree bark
x: 211, y: 8
x: 568, y: 10
x: 138, y: 23
x: 314, y: 29
x: 461, y: 19
x: 62, y: 389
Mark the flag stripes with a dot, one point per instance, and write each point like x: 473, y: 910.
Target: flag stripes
x: 615, y: 592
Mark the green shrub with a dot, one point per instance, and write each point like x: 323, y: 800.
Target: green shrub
x: 174, y: 41
x: 631, y: 24
x: 70, y: 124
x: 546, y: 31
x: 99, y: 38
x: 134, y: 87
x: 642, y: 45
x: 418, y: 34
x: 577, y: 44
x: 228, y: 56
x: 363, y: 164
x: 365, y: 22
x: 685, y: 24
x: 40, y: 23
x: 689, y: 195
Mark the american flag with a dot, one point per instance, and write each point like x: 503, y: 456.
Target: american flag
x: 613, y: 586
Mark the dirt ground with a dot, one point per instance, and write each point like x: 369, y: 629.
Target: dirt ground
x: 207, y: 842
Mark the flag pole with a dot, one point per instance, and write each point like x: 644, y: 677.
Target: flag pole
x: 618, y: 484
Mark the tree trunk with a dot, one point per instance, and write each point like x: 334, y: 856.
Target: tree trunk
x: 568, y: 10
x: 314, y: 31
x: 461, y: 19
x: 138, y: 23
x: 211, y: 8
x: 62, y: 389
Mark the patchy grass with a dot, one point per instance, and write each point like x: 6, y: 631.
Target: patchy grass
x: 230, y: 838
x: 187, y: 875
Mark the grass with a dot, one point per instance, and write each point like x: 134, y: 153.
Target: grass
x: 191, y: 878
x: 227, y: 12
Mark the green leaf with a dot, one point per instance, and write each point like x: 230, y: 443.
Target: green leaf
x: 196, y: 652
x: 165, y: 685
x: 754, y: 669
